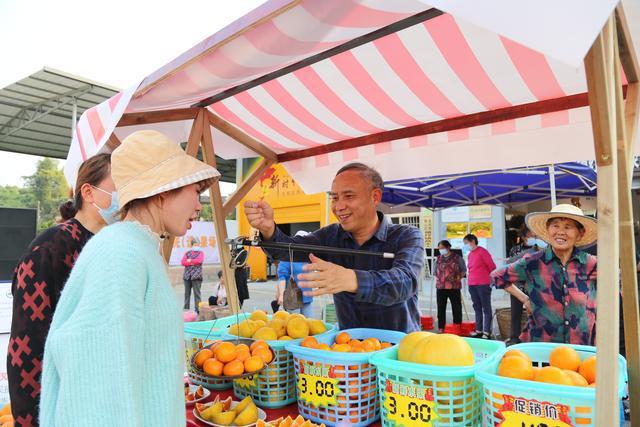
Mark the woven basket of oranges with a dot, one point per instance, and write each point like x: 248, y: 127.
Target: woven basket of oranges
x: 232, y: 359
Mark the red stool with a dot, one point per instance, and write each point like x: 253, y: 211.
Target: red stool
x: 468, y: 328
x: 452, y: 328
x: 427, y: 323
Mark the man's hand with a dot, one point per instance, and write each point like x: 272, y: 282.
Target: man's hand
x: 260, y: 216
x: 326, y: 278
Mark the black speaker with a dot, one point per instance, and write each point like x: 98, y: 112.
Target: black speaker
x: 17, y: 230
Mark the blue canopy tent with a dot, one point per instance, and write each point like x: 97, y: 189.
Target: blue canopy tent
x: 505, y: 187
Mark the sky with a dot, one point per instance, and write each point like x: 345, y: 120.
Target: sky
x: 116, y: 42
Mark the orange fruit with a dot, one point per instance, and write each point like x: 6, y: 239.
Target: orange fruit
x: 345, y: 348
x: 553, y: 375
x: 241, y: 347
x: 355, y: 343
x: 264, y: 353
x: 386, y: 345
x: 578, y: 380
x: 592, y: 385
x: 258, y: 344
x: 375, y: 342
x: 343, y: 338
x: 564, y: 357
x: 233, y: 368
x: 253, y: 364
x: 226, y: 352
x: 202, y: 355
x: 243, y: 355
x: 535, y: 370
x: 368, y: 346
x: 515, y: 367
x: 518, y: 353
x: 6, y: 409
x: 588, y: 369
x: 213, y: 367
x: 309, y: 342
x: 323, y: 346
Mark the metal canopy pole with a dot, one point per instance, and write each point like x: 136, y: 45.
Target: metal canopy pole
x: 552, y: 185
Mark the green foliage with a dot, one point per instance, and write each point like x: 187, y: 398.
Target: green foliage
x: 16, y: 197
x: 49, y: 189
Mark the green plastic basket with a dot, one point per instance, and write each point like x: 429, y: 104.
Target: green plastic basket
x: 576, y: 403
x: 441, y: 395
x: 196, y: 334
x: 275, y: 386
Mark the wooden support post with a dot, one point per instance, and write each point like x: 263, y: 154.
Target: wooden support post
x: 631, y: 317
x: 215, y: 197
x: 599, y: 66
x: 244, y: 139
x: 246, y: 186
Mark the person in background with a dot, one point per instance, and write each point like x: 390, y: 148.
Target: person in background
x: 40, y: 277
x: 115, y: 352
x: 192, y: 261
x: 560, y: 280
x: 450, y: 269
x: 527, y: 242
x: 220, y: 297
x: 479, y: 265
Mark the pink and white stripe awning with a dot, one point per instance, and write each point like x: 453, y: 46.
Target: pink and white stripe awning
x: 298, y: 75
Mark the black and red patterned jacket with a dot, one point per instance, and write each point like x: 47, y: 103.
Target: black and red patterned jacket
x: 38, y: 280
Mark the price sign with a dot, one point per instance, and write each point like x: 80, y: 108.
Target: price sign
x: 248, y: 382
x: 317, y: 385
x: 409, y: 406
x: 518, y: 412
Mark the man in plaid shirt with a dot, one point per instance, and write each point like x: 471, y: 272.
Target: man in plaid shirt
x: 369, y: 292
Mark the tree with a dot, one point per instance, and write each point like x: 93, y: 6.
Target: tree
x: 16, y: 197
x: 49, y: 189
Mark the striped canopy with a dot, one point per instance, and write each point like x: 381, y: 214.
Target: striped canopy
x: 409, y: 88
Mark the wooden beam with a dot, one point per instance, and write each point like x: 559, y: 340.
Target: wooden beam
x: 244, y: 139
x: 631, y: 111
x: 599, y: 67
x: 625, y: 44
x: 195, y: 136
x: 351, y: 44
x: 462, y: 122
x: 113, y: 142
x: 167, y: 247
x: 215, y: 197
x: 246, y: 186
x: 149, y: 117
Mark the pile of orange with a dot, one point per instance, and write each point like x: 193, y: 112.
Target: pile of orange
x: 6, y: 419
x: 288, y: 422
x: 344, y: 343
x: 565, y: 368
x: 229, y: 359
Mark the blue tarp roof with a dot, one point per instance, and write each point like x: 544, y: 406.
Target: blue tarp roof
x: 498, y: 187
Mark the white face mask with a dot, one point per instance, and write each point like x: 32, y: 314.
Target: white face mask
x: 110, y: 214
x: 444, y: 251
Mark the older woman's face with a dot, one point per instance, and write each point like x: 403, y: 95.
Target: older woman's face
x: 564, y: 233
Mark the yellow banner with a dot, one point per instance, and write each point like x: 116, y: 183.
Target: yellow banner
x: 517, y: 419
x: 318, y: 391
x: 409, y: 411
x: 248, y: 382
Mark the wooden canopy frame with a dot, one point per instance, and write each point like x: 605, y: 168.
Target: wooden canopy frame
x: 614, y: 119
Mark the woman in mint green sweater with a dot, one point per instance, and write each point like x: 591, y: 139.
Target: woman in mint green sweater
x: 113, y: 356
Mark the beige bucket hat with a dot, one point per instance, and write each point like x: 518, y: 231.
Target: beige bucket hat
x: 149, y: 163
x: 537, y: 222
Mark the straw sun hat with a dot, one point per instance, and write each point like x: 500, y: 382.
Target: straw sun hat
x: 149, y: 163
x: 537, y: 222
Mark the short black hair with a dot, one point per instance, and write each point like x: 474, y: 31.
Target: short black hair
x: 445, y: 243
x: 220, y: 274
x: 471, y: 238
x: 367, y: 171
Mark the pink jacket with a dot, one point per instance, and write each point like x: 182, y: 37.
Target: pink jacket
x: 193, y: 261
x: 479, y: 265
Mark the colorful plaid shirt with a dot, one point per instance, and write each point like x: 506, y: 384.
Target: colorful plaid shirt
x: 563, y: 297
x: 449, y: 271
x: 387, y: 296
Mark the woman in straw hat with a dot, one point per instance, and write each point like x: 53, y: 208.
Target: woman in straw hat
x: 560, y: 280
x: 113, y: 356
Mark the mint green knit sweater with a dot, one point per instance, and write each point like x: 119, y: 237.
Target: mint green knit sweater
x: 113, y: 356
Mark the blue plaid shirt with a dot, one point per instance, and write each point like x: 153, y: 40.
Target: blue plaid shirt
x: 387, y: 296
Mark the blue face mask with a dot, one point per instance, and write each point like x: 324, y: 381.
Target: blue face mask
x: 532, y: 241
x: 444, y: 251
x: 110, y: 214
x: 466, y: 247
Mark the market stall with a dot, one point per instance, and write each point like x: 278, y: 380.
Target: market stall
x: 442, y: 90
